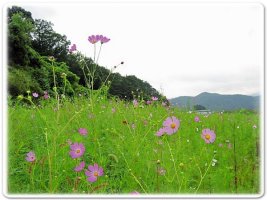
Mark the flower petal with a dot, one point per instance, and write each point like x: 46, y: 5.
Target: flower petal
x: 100, y: 172
x: 92, y: 179
x: 167, y: 122
x: 91, y: 168
x: 88, y: 173
x: 96, y: 167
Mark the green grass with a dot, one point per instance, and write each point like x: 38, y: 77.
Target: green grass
x: 130, y: 156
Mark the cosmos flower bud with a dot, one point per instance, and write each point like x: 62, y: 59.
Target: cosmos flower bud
x: 63, y: 75
x: 20, y: 97
x: 51, y: 58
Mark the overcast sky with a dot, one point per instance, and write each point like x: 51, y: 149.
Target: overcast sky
x: 180, y: 49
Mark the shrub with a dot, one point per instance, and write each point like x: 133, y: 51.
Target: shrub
x: 20, y: 81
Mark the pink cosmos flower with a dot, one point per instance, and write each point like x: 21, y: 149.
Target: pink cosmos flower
x: 72, y: 48
x: 35, y: 94
x: 197, y: 119
x: 154, y: 98
x: 31, y: 156
x: 94, y: 172
x: 148, y: 102
x: 83, y: 131
x: 76, y: 150
x: 135, y: 103
x: 46, y: 96
x: 80, y: 167
x: 161, y: 132
x: 93, y: 39
x: 208, y: 135
x: 171, y: 125
x: 103, y: 39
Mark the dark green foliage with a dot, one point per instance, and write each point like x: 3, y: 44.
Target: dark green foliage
x: 19, y: 81
x: 42, y: 74
x: 15, y: 10
x: 199, y: 107
x: 71, y: 78
x: 76, y: 65
x: 49, y: 43
x: 19, y: 40
x: 130, y: 86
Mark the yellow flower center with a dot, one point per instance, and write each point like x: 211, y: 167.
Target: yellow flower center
x: 95, y: 173
x: 207, y: 136
x: 78, y: 151
x: 173, y: 125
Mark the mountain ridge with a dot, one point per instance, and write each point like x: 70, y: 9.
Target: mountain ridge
x: 218, y: 102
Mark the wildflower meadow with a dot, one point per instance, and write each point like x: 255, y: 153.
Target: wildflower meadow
x: 92, y: 143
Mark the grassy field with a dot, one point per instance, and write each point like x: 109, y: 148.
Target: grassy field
x: 121, y: 139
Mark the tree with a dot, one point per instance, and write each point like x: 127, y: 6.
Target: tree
x: 19, y: 40
x: 127, y: 87
x: 18, y: 10
x: 199, y: 107
x: 49, y: 43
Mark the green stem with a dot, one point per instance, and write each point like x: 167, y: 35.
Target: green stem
x: 174, y: 165
x: 132, y: 173
x: 49, y: 161
x: 94, y: 51
x: 86, y: 80
x: 55, y: 86
x: 76, y: 113
x: 202, y: 177
x: 65, y: 82
x: 32, y: 175
x: 98, y: 53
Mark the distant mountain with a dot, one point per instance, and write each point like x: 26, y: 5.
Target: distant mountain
x: 218, y: 102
